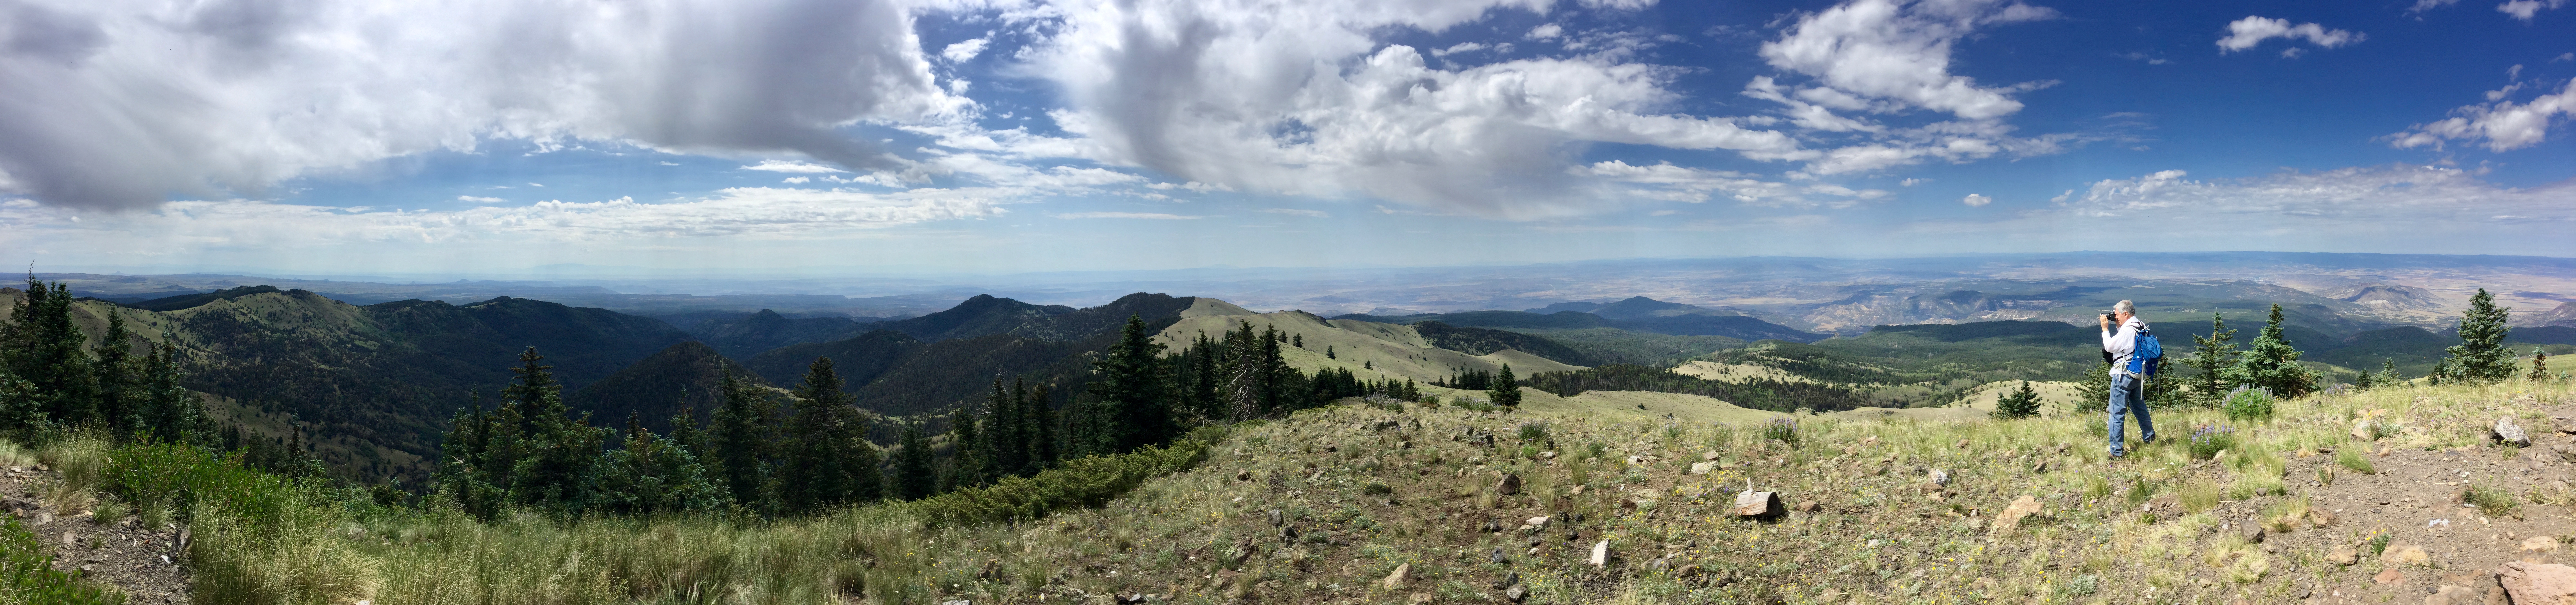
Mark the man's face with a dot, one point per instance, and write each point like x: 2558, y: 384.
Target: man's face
x: 2121, y: 317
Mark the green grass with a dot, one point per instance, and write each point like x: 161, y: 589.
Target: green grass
x: 2492, y: 502
x: 2352, y: 458
x: 78, y: 459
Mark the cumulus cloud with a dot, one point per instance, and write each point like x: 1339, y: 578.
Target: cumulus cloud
x: 124, y: 103
x: 2425, y: 5
x: 2501, y: 125
x: 1899, y: 52
x: 1976, y: 201
x: 1282, y: 97
x: 2245, y: 33
x: 965, y: 51
x: 2525, y: 9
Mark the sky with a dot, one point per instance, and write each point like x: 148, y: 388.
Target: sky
x: 856, y: 137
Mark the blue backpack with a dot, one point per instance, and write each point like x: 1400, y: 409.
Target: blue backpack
x: 2148, y: 353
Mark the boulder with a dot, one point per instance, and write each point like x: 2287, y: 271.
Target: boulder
x: 2014, y: 514
x: 1758, y: 505
x: 1702, y: 468
x: 1600, y: 554
x: 1275, y: 518
x: 1397, y: 580
x: 2343, y: 554
x: 1510, y: 485
x: 2508, y: 432
x: 2538, y: 584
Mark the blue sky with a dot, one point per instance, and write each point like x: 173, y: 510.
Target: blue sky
x: 891, y: 136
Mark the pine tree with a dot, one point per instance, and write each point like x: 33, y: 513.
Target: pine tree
x: 1328, y: 352
x: 2539, y: 365
x: 1006, y: 444
x: 1301, y: 343
x: 21, y: 409
x: 742, y: 439
x: 2271, y: 363
x: 914, y: 478
x: 113, y: 374
x: 649, y: 475
x: 1203, y: 396
x: 1507, y: 390
x: 2388, y: 373
x: 463, y: 478
x: 165, y: 408
x: 2021, y: 402
x: 2211, y: 356
x: 861, y: 460
x: 1133, y: 385
x: 560, y: 452
x: 1041, y: 423
x: 811, y: 477
x: 2481, y: 356
x: 42, y: 346
x: 966, y: 463
x: 2366, y: 381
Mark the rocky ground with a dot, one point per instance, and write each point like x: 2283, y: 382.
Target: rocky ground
x: 149, y: 564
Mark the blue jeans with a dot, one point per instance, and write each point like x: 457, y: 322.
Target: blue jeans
x: 2128, y: 396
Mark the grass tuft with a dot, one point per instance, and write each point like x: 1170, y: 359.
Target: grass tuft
x: 2199, y: 494
x: 2352, y: 458
x: 2492, y: 502
x: 80, y: 459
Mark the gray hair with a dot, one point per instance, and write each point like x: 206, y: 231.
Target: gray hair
x: 2125, y: 307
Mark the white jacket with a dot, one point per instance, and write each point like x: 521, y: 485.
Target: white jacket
x: 2123, y: 344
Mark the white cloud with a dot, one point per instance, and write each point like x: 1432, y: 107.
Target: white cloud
x: 1545, y: 32
x: 2566, y: 56
x: 791, y: 167
x: 1297, y: 212
x: 1132, y: 215
x: 2502, y: 124
x: 1667, y: 182
x: 1911, y: 182
x: 120, y: 103
x: 797, y: 180
x: 2390, y: 194
x: 2245, y: 33
x: 1301, y: 98
x: 2525, y: 9
x: 670, y: 163
x: 965, y: 51
x: 2425, y: 5
x: 480, y: 200
x: 1900, y: 52
x: 1976, y: 201
x: 2062, y: 197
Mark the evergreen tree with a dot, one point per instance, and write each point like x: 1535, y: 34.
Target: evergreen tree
x: 560, y: 452
x: 2481, y: 356
x: 112, y: 372
x: 966, y: 463
x: 649, y: 476
x: 2271, y: 363
x: 913, y: 476
x: 742, y: 438
x: 1041, y: 423
x: 1006, y: 444
x: 2211, y: 356
x: 2021, y: 402
x: 1328, y: 352
x: 1507, y: 390
x: 1203, y: 383
x: 2539, y: 365
x: 2366, y: 381
x: 1301, y: 343
x: 812, y: 477
x: 2388, y: 373
x: 1133, y: 385
x: 686, y: 434
x: 42, y: 346
x: 166, y: 409
x: 861, y: 460
x: 464, y: 478
x: 21, y: 409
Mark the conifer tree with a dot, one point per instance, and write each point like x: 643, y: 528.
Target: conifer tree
x: 1133, y: 385
x: 1328, y: 352
x: 167, y: 410
x: 2021, y: 402
x: 1300, y: 342
x: 741, y: 442
x: 1041, y: 423
x: 861, y: 460
x: 41, y: 345
x: 1203, y: 395
x: 2366, y: 381
x: 1005, y: 445
x: 1507, y: 390
x: 2539, y: 365
x: 463, y: 477
x: 2271, y: 363
x: 2481, y: 356
x: 811, y: 476
x: 966, y: 463
x: 559, y: 452
x: 2211, y: 356
x: 20, y: 407
x: 2388, y: 373
x: 685, y: 433
x: 913, y: 476
x: 113, y: 373
x: 649, y: 475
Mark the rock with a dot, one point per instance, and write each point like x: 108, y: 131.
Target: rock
x: 2402, y: 555
x: 1516, y: 593
x: 2343, y: 554
x: 1419, y: 598
x: 1402, y: 575
x: 1547, y: 455
x: 2389, y: 577
x: 956, y: 602
x: 2361, y: 429
x: 2567, y: 426
x: 1493, y: 526
x: 2510, y: 433
x: 1702, y: 468
x: 1288, y: 533
x: 1710, y: 455
x: 1497, y: 557
x: 1510, y: 485
x: 1758, y: 505
x: 2455, y: 595
x: 1275, y: 521
x: 2540, y: 544
x: 1404, y: 445
x: 1578, y: 490
x: 2566, y: 452
x: 2320, y: 517
x: 1808, y: 506
x: 1940, y: 477
x: 1243, y: 476
x: 1600, y: 554
x: 2021, y: 509
x: 1538, y: 522
x: 2252, y: 532
x: 2535, y: 583
x: 1509, y: 580
x: 70, y: 540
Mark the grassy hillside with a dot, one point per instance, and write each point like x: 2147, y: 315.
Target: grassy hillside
x: 1373, y: 350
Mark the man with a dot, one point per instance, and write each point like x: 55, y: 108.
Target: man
x: 2128, y: 391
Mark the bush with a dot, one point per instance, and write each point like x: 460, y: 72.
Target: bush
x: 1784, y: 430
x: 1533, y: 431
x: 2209, y: 439
x: 2246, y: 403
x: 1089, y: 481
x: 27, y: 574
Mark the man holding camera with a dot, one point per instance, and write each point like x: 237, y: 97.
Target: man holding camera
x: 2128, y: 390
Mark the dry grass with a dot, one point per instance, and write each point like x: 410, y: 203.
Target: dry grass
x: 80, y: 462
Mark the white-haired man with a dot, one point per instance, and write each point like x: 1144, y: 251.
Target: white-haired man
x: 2128, y: 390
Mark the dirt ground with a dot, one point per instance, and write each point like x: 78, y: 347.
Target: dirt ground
x: 149, y: 564
x: 2417, y: 498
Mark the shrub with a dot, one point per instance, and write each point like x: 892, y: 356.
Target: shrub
x: 1089, y: 481
x: 108, y: 510
x: 1784, y: 430
x: 1533, y: 431
x: 27, y: 574
x: 2209, y: 439
x: 2492, y: 502
x: 2248, y: 404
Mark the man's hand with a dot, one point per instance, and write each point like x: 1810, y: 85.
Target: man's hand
x: 2106, y: 323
